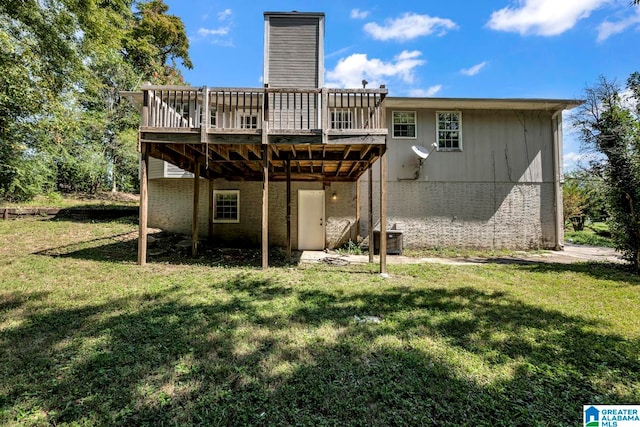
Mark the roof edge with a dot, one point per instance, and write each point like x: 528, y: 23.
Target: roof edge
x: 295, y: 13
x: 484, y: 103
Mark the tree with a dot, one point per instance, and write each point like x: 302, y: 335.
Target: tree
x: 583, y: 196
x: 155, y: 42
x: 609, y: 122
x: 63, y: 64
x: 574, y: 201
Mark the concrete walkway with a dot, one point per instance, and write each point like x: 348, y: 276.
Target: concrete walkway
x: 570, y: 254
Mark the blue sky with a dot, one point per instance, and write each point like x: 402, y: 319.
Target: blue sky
x: 486, y: 49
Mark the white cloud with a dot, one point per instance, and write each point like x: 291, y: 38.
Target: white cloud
x: 608, y: 28
x: 543, y: 17
x: 350, y: 71
x: 359, y: 14
x: 218, y: 36
x: 209, y: 32
x: 224, y: 15
x: 628, y: 100
x: 572, y: 160
x: 425, y: 93
x: 473, y: 70
x: 338, y: 52
x: 409, y: 26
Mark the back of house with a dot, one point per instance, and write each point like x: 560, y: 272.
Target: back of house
x: 481, y: 173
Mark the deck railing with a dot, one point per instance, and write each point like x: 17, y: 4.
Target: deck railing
x: 278, y: 109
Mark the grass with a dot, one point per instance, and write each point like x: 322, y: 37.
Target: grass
x: 55, y: 200
x: 89, y: 338
x: 449, y: 252
x: 593, y: 234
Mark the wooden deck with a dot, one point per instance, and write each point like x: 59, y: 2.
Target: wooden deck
x: 321, y: 134
x: 264, y: 135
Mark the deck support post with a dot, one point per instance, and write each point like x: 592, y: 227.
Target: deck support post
x: 383, y: 211
x: 265, y: 206
x: 356, y: 233
x: 288, y: 165
x: 196, y: 205
x: 144, y: 204
x: 371, y: 248
x: 210, y: 216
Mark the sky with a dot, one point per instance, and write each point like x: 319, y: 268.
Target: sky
x: 425, y: 48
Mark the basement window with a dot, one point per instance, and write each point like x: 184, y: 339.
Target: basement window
x: 404, y: 124
x: 449, y: 130
x: 226, y: 206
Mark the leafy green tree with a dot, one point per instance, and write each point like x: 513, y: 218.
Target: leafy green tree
x: 63, y: 64
x: 609, y: 123
x: 584, y: 196
x: 155, y: 42
x: 574, y: 201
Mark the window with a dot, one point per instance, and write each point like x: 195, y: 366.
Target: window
x: 248, y: 121
x: 213, y: 122
x: 226, y: 206
x: 449, y: 130
x: 404, y: 124
x: 341, y: 119
x: 183, y: 110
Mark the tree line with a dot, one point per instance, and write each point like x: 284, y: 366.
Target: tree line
x: 63, y: 63
x: 608, y: 188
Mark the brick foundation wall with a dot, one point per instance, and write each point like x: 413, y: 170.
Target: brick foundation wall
x: 171, y: 201
x: 473, y: 215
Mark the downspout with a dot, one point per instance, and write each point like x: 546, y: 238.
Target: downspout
x: 556, y: 127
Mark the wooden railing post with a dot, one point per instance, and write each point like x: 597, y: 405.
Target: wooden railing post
x: 204, y: 121
x: 325, y: 115
x: 265, y: 115
x: 145, y: 108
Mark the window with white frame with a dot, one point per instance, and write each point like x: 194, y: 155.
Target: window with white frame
x: 213, y: 116
x: 449, y: 130
x: 248, y: 121
x: 183, y: 110
x: 404, y: 124
x: 226, y: 206
x: 341, y: 119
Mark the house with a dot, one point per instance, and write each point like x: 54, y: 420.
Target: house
x: 298, y: 165
x: 591, y: 416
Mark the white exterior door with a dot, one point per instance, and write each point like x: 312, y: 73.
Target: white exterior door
x: 311, y: 221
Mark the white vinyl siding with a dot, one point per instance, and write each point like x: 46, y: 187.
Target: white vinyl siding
x: 293, y: 52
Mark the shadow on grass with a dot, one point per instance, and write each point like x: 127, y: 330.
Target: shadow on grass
x: 97, y: 213
x: 264, y: 352
x: 124, y: 248
x: 597, y: 270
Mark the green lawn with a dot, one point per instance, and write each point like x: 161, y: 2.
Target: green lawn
x: 594, y: 234
x: 89, y: 338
